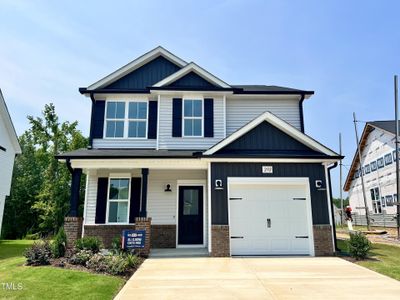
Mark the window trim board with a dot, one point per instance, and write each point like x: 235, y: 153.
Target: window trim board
x: 108, y: 200
x: 193, y: 118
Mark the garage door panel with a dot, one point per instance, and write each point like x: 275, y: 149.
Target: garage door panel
x: 286, y: 208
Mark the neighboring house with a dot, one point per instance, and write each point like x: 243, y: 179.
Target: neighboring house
x: 9, y: 148
x: 222, y: 167
x: 378, y: 155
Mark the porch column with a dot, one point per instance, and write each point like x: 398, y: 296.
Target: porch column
x: 75, y: 188
x: 143, y: 209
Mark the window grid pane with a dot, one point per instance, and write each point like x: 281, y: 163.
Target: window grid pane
x: 193, y: 112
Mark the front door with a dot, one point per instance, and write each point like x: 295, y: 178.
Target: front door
x: 190, y: 215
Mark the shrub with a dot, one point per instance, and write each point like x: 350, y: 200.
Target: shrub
x: 88, y: 243
x: 116, y: 244
x: 359, y: 245
x: 81, y: 257
x: 32, y: 236
x: 38, y: 254
x: 132, y: 260
x: 111, y: 264
x: 59, y: 244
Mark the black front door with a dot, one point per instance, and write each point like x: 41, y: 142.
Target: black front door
x: 190, y: 217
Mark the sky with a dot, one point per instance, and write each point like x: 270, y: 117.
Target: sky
x: 345, y: 51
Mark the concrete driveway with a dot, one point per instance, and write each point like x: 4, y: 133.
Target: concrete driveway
x: 257, y: 278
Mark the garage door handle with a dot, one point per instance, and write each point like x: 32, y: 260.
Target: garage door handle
x: 301, y: 236
x: 235, y: 198
x: 236, y: 237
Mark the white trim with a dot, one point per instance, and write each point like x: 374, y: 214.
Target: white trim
x: 196, y: 98
x: 277, y: 160
x: 224, y: 113
x: 199, y: 182
x: 135, y: 64
x: 329, y: 200
x: 192, y: 67
x: 5, y: 115
x: 85, y: 204
x: 108, y: 200
x: 302, y: 181
x: 158, y: 122
x: 126, y: 119
x: 278, y: 123
x: 209, y: 206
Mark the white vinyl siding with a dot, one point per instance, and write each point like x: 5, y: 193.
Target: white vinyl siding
x: 91, y: 196
x: 166, y: 141
x: 240, y: 111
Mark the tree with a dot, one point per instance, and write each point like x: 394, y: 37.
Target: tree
x: 41, y: 184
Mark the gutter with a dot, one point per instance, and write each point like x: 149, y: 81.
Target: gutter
x: 301, y: 112
x: 332, y: 211
x: 68, y: 163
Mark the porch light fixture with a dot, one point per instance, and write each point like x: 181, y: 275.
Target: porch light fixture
x: 168, y: 188
x: 218, y: 184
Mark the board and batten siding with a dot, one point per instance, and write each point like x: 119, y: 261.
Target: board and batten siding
x: 240, y: 111
x: 166, y: 141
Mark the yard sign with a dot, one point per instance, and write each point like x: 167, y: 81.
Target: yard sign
x: 133, y: 239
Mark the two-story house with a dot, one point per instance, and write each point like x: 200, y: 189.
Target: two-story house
x: 378, y: 167
x: 227, y: 168
x: 9, y: 148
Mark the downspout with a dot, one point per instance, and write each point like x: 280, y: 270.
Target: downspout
x: 332, y: 211
x: 301, y: 112
x: 91, y: 122
x: 68, y: 163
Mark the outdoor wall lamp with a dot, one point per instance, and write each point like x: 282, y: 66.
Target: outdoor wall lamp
x: 168, y: 188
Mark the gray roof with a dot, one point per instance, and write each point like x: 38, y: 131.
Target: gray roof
x: 129, y: 153
x: 269, y: 89
x: 389, y: 125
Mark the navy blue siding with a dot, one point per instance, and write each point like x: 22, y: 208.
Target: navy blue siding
x: 208, y: 117
x: 152, y: 127
x: 177, y: 117
x: 101, y: 204
x: 147, y: 75
x: 98, y: 118
x: 219, y: 202
x: 134, y: 206
x: 267, y: 139
x: 192, y: 80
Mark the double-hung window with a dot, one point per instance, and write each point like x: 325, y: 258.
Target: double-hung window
x: 126, y: 119
x: 137, y: 119
x: 115, y: 119
x: 193, y: 117
x: 118, y: 200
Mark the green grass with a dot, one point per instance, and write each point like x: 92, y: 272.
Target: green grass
x: 49, y: 282
x: 386, y: 259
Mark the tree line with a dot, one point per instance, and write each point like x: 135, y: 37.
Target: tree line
x: 40, y: 189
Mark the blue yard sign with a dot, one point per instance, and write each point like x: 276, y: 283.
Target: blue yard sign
x: 133, y: 239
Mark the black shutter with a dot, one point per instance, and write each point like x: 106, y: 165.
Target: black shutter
x: 101, y: 205
x: 152, y: 126
x: 98, y: 118
x: 134, y: 207
x: 208, y: 117
x: 177, y: 117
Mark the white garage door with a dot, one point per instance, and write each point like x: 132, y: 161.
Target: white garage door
x: 268, y: 217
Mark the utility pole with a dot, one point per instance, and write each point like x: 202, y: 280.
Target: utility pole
x: 396, y: 111
x: 340, y: 180
x: 361, y: 173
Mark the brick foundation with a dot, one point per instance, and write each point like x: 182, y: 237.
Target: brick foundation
x: 73, y: 230
x: 143, y: 223
x: 220, y: 240
x: 323, y: 240
x: 106, y: 233
x: 163, y: 236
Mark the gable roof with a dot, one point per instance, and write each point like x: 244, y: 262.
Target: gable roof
x: 135, y: 64
x: 278, y: 123
x: 192, y: 67
x: 5, y: 115
x: 388, y: 126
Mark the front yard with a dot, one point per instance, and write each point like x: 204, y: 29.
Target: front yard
x: 22, y: 282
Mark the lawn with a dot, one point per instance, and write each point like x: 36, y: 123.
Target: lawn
x: 386, y: 259
x: 49, y: 282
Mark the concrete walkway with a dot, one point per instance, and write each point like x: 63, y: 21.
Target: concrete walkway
x: 257, y: 278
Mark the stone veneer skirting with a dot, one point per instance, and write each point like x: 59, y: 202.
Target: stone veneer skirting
x: 163, y: 236
x: 323, y: 245
x: 106, y: 233
x: 220, y: 240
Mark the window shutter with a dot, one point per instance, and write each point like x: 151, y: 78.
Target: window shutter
x: 98, y: 119
x: 134, y: 206
x: 177, y: 117
x: 152, y: 121
x: 208, y: 117
x: 101, y: 205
